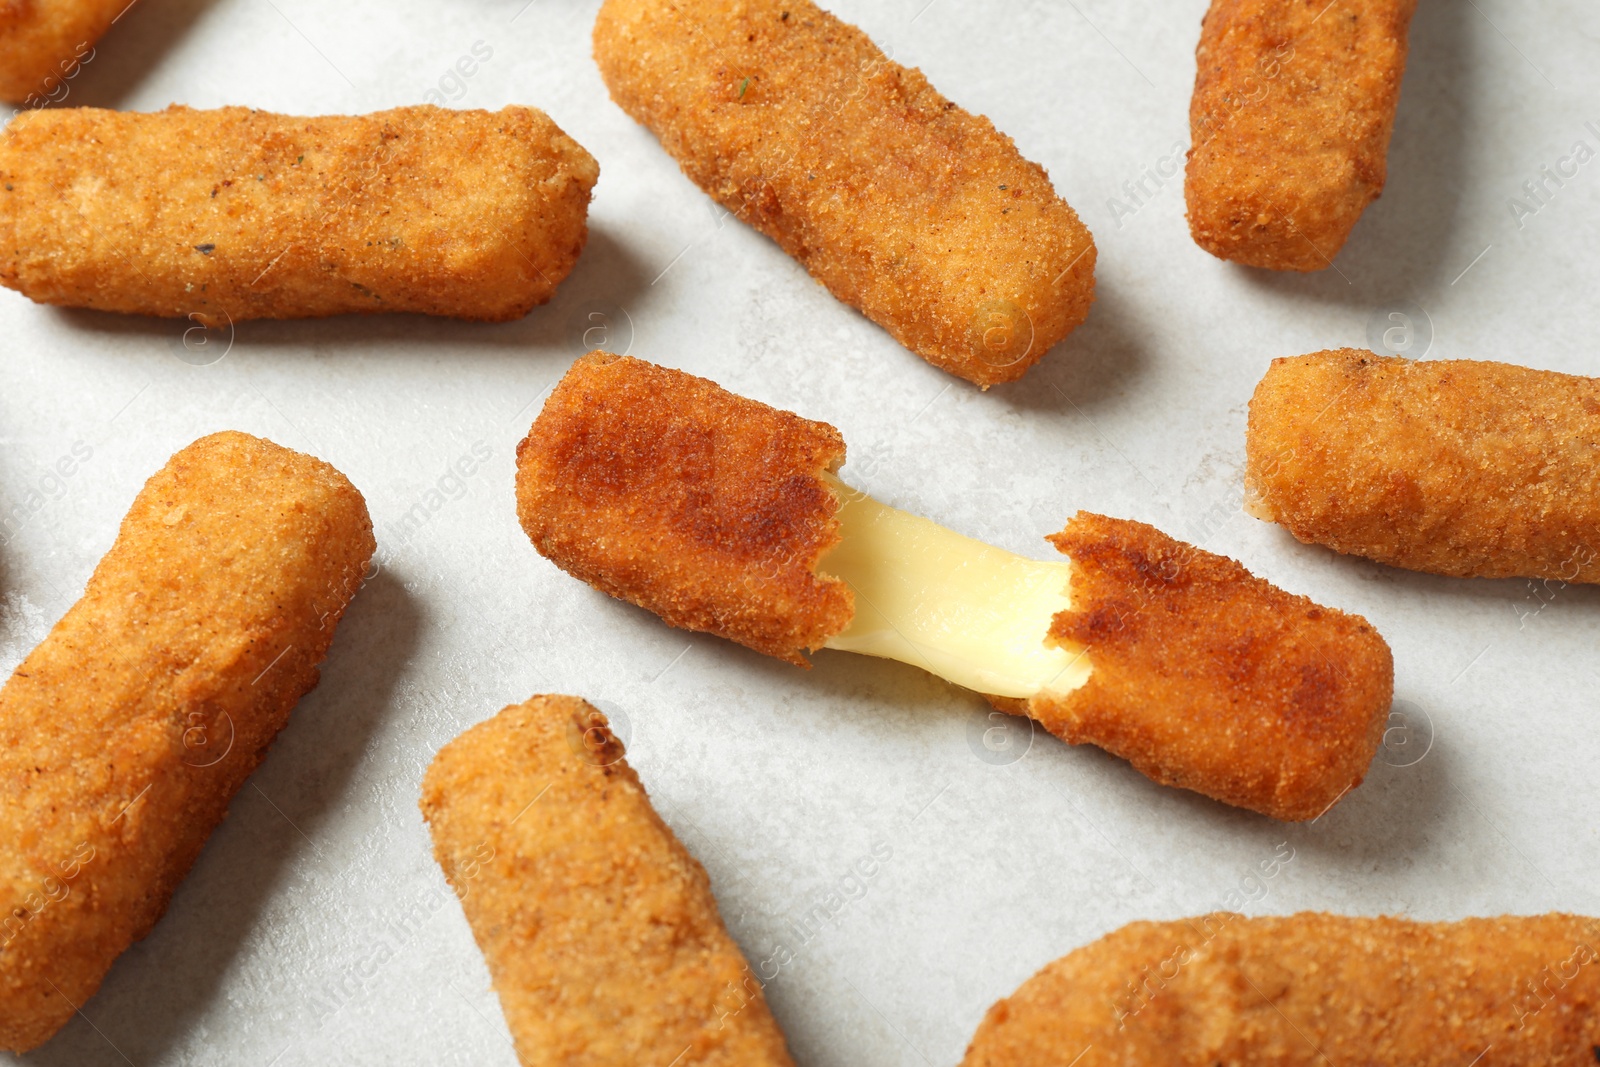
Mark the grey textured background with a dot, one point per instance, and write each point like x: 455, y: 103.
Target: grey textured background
x: 315, y: 929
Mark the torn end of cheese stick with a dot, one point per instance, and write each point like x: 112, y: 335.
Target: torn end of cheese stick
x: 234, y: 214
x: 126, y: 733
x: 918, y: 213
x: 599, y: 929
x: 1293, y: 107
x: 1310, y: 990
x: 1464, y: 468
x: 1178, y: 660
x: 43, y: 43
x: 1209, y: 678
x: 704, y: 507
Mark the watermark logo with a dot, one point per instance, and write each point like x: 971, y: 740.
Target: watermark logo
x: 607, y: 327
x: 999, y: 739
x: 200, y: 345
x: 54, y: 88
x: 452, y: 84
x: 1536, y: 993
x: 1252, y: 88
x: 358, y: 975
x: 824, y: 910
x: 207, y: 739
x: 600, y: 738
x: 53, y: 888
x: 1142, y: 989
x: 1142, y: 190
x: 450, y: 486
x: 1001, y: 334
x: 1542, y: 592
x: 1540, y: 191
x: 51, y: 484
x: 1408, y: 735
x: 1402, y: 329
x: 870, y: 461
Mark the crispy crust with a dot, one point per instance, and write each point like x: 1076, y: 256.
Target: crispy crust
x: 709, y: 509
x: 1294, y: 102
x: 1310, y: 990
x: 598, y: 927
x: 44, y: 42
x: 668, y: 491
x: 921, y: 215
x: 1458, y: 467
x: 235, y: 214
x: 124, y: 735
x: 1211, y: 679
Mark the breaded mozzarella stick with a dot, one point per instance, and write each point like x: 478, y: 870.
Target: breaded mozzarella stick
x: 234, y: 214
x: 43, y: 42
x: 921, y: 215
x: 722, y: 514
x: 599, y: 929
x: 1294, y: 103
x: 1310, y: 990
x: 1458, y: 467
x: 126, y: 733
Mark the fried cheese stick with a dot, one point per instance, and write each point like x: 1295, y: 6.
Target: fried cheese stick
x: 1459, y: 467
x: 599, y: 929
x: 1293, y: 106
x: 234, y: 214
x: 1310, y: 990
x: 919, y: 214
x: 125, y: 734
x: 719, y: 513
x: 43, y: 42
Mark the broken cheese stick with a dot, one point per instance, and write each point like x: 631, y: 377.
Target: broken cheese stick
x: 904, y: 205
x: 1466, y: 468
x: 599, y: 929
x: 1310, y: 990
x: 44, y: 42
x: 1293, y: 107
x: 719, y: 513
x: 126, y: 733
x: 234, y: 214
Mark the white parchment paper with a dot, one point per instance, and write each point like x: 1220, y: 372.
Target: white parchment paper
x: 316, y: 929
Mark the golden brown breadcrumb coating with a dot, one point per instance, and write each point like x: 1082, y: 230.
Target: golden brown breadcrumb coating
x: 704, y: 507
x: 44, y: 42
x: 1310, y: 990
x: 235, y: 214
x: 710, y: 510
x: 1459, y: 467
x: 1209, y: 678
x: 916, y: 212
x: 125, y: 734
x: 1294, y: 102
x: 599, y: 929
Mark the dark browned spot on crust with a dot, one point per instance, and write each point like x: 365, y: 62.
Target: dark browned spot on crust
x: 1209, y: 678
x: 704, y: 507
